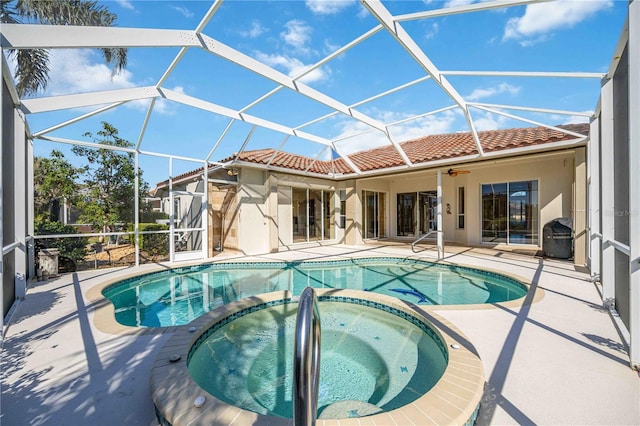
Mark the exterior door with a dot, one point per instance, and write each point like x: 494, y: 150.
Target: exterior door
x: 428, y: 212
x: 187, y: 226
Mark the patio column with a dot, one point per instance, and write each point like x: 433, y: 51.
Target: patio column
x: 172, y: 215
x: 593, y: 179
x: 136, y: 208
x: 634, y: 184
x: 579, y: 207
x: 608, y: 275
x: 439, y: 214
x: 20, y: 204
x: 204, y: 211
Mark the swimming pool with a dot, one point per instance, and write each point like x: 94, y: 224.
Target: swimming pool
x: 177, y: 296
x: 373, y: 359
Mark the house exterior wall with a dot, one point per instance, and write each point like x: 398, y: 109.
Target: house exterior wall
x: 253, y: 218
x: 559, y: 194
x: 555, y: 175
x: 260, y: 214
x: 281, y: 206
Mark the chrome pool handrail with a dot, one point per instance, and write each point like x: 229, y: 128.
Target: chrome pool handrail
x: 422, y: 237
x: 306, y: 360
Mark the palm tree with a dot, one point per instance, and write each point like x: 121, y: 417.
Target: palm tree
x: 32, y: 67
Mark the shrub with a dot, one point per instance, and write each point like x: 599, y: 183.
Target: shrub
x: 71, y: 249
x: 154, y: 244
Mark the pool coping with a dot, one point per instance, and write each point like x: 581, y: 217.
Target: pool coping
x: 104, y: 311
x: 454, y: 399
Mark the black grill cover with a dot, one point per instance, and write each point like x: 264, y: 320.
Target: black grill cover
x: 557, y: 238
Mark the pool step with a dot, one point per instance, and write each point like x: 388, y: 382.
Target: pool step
x: 349, y: 409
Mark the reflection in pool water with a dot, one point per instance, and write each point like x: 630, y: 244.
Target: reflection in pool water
x: 177, y: 296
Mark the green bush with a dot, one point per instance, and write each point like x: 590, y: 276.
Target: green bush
x: 71, y: 249
x: 154, y: 244
x: 152, y: 216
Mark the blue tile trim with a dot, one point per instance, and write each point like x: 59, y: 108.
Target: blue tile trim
x: 226, y: 320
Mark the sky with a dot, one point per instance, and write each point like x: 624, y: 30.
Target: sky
x: 560, y: 36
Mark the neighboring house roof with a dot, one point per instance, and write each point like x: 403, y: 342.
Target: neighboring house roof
x: 420, y: 150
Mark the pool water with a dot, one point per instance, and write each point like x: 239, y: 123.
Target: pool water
x: 178, y: 296
x: 371, y: 361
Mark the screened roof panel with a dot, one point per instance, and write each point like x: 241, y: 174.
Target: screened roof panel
x: 205, y: 63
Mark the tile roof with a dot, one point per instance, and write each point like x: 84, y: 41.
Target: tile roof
x: 293, y: 161
x: 420, y: 150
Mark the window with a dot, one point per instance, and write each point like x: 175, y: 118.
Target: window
x: 510, y: 212
x: 460, y: 223
x: 373, y: 214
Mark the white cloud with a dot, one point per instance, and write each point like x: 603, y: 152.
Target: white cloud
x: 256, y: 30
x: 482, y: 93
x: 125, y: 4
x: 327, y: 7
x: 164, y: 106
x: 77, y: 71
x: 293, y: 66
x: 298, y: 34
x: 330, y: 47
x: 184, y: 11
x: 454, y: 3
x: 570, y: 119
x: 490, y: 121
x: 431, y: 32
x: 540, y: 19
x: 424, y: 126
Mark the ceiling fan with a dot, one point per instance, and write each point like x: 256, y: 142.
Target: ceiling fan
x: 454, y: 172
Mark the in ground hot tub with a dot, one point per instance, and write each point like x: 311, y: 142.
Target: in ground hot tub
x: 379, y: 357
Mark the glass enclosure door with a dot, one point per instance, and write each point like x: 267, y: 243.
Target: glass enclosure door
x: 187, y: 225
x: 329, y: 215
x: 428, y: 202
x: 523, y: 212
x: 510, y: 212
x: 373, y: 214
x: 299, y: 204
x: 313, y: 215
x: 406, y: 222
x: 494, y: 213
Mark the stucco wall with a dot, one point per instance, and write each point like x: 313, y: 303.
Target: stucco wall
x: 555, y: 176
x: 265, y: 198
x: 554, y: 172
x: 253, y: 218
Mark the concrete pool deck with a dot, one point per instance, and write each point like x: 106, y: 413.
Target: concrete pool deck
x: 558, y: 360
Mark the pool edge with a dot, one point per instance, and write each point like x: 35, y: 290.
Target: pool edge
x: 104, y: 313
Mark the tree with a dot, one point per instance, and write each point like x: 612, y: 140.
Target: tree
x: 54, y: 180
x: 109, y: 181
x: 32, y: 69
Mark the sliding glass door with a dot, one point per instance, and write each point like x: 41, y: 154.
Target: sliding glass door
x: 417, y: 213
x: 510, y: 212
x: 373, y: 214
x: 313, y: 214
